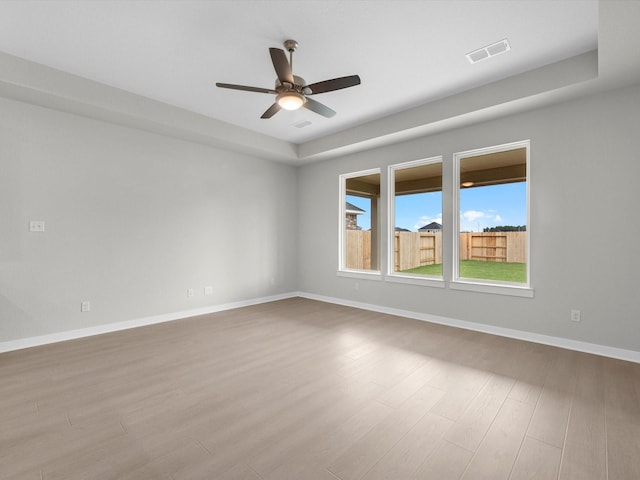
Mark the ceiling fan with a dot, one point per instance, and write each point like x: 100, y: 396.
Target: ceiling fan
x: 292, y: 91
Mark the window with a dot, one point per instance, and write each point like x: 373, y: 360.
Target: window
x: 359, y: 221
x: 491, y: 239
x: 415, y: 220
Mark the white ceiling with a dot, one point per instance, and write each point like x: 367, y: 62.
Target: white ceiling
x: 407, y: 53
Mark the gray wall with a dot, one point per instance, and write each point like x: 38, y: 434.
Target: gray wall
x: 585, y: 169
x: 133, y: 220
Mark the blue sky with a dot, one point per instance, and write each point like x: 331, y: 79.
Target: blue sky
x: 493, y: 205
x: 480, y: 207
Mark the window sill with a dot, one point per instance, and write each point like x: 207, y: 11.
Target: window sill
x: 472, y: 286
x: 361, y: 274
x: 416, y: 280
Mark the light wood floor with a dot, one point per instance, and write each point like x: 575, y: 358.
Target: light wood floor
x: 304, y: 390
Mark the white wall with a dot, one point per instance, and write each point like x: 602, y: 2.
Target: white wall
x: 585, y: 168
x: 133, y: 219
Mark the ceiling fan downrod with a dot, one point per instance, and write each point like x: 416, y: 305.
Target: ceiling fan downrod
x: 290, y: 46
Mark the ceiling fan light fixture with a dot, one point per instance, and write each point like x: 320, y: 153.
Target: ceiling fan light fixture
x: 290, y: 100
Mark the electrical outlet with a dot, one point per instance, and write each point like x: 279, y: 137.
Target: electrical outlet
x: 190, y: 292
x: 575, y: 315
x: 36, y: 225
x: 85, y: 306
x: 208, y: 290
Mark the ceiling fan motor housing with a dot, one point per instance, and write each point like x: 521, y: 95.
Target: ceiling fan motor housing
x: 290, y: 45
x: 299, y: 86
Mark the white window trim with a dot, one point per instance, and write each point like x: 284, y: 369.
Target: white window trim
x: 342, y: 270
x: 360, y: 274
x: 392, y: 275
x: 482, y: 285
x: 423, y: 280
x: 473, y: 285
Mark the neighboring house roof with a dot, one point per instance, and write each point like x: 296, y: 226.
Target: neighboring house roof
x: 431, y: 226
x: 351, y: 208
x: 400, y: 229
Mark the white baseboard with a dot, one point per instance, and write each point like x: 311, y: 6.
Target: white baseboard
x: 21, y: 343
x: 604, y: 350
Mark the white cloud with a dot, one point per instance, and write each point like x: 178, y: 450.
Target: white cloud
x: 475, y: 220
x: 472, y: 215
x: 426, y: 220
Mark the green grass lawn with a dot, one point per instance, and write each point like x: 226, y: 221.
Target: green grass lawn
x: 506, y: 272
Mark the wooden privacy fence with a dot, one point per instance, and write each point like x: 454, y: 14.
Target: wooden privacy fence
x: 416, y: 249
x: 494, y: 246
x: 358, y: 254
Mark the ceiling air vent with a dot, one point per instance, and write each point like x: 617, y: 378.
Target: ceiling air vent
x: 489, y: 51
x: 304, y: 123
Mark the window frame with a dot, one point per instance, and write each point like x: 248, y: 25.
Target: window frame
x: 342, y: 269
x: 392, y: 275
x: 484, y: 285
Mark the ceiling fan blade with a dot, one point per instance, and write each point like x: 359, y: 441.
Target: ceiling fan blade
x: 271, y: 111
x: 319, y: 108
x: 334, y: 84
x: 281, y: 65
x: 245, y: 88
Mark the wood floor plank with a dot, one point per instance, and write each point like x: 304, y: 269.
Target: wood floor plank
x: 328, y: 446
x: 537, y: 461
x: 461, y: 385
x: 549, y: 423
x: 102, y: 460
x: 175, y: 457
x: 368, y: 450
x: 406, y: 456
x: 469, y: 430
x: 389, y: 374
x: 446, y: 462
x: 239, y: 472
x: 298, y: 468
x: 298, y: 437
x: 29, y: 427
x: 532, y: 372
x: 408, y: 386
x: 245, y: 438
x: 497, y: 453
x: 585, y: 453
x: 622, y: 413
x: 30, y: 475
